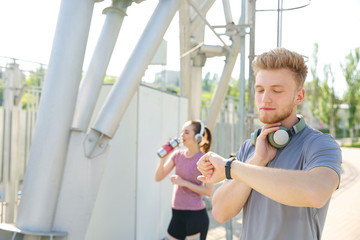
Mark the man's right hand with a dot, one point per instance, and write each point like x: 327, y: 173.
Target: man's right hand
x: 212, y: 168
x: 264, y: 152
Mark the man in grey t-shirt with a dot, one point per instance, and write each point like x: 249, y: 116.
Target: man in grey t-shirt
x: 285, y: 180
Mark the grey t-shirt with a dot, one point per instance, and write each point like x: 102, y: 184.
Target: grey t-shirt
x: 265, y: 219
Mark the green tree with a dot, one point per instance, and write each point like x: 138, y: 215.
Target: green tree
x: 208, y: 83
x: 352, y: 76
x: 33, y: 85
x: 328, y: 102
x: 109, y: 79
x: 324, y: 104
x: 36, y: 78
x: 233, y: 89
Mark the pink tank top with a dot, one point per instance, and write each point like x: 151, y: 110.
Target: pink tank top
x: 183, y: 197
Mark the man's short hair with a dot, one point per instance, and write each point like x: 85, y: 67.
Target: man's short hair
x: 282, y: 58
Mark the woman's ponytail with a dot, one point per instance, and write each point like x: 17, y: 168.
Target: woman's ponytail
x: 207, y: 140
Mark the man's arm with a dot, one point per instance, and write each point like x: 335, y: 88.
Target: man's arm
x: 311, y: 188
x: 229, y: 199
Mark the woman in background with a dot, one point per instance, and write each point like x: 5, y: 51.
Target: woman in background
x: 189, y: 217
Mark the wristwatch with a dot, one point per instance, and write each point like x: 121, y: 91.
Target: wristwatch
x: 228, y: 167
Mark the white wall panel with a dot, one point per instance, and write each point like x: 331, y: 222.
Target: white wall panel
x: 171, y: 128
x: 130, y: 204
x: 114, y: 214
x: 151, y: 137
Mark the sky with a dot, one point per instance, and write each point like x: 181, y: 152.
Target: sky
x: 27, y: 29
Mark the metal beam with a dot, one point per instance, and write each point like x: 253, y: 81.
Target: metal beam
x: 201, y: 15
x: 129, y: 81
x: 94, y: 77
x: 221, y: 89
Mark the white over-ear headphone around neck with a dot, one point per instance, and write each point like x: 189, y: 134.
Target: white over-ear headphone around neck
x: 281, y: 137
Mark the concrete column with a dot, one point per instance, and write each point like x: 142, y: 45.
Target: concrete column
x: 185, y: 45
x: 12, y: 91
x: 52, y: 131
x: 196, y: 87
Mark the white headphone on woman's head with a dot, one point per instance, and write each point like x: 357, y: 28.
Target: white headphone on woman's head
x: 199, y: 136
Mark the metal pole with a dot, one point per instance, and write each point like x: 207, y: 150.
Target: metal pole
x: 279, y: 23
x: 242, y: 74
x: 229, y: 230
x: 202, y: 16
x: 49, y: 146
x: 227, y: 11
x: 196, y: 20
x: 91, y: 84
x: 251, y: 21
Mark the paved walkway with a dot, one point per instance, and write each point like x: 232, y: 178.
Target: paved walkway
x: 343, y: 219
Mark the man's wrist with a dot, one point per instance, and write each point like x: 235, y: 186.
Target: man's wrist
x: 228, y: 168
x: 257, y: 162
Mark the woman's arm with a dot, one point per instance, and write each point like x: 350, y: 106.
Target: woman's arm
x: 206, y: 189
x: 163, y: 168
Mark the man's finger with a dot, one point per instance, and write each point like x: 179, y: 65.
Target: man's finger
x: 202, y: 178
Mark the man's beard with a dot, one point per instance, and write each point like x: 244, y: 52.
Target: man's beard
x: 278, y: 117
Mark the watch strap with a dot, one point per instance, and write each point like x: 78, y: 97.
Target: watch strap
x: 228, y: 167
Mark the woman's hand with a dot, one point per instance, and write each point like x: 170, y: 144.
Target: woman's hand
x: 176, y: 179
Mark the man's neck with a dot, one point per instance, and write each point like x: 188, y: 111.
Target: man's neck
x: 290, y: 121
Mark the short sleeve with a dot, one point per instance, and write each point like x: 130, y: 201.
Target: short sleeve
x: 245, y: 151
x: 323, y: 151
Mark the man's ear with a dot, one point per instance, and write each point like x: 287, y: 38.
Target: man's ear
x: 300, y: 95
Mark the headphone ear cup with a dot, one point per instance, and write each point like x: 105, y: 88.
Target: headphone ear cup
x: 279, y: 138
x: 198, y: 138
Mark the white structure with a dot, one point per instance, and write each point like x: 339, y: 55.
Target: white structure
x: 92, y: 159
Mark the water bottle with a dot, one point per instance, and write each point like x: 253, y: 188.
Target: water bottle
x: 168, y: 148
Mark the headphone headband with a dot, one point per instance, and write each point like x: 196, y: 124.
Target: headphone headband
x: 202, y: 128
x: 298, y: 127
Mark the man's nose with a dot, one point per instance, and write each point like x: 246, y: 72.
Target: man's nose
x: 266, y: 96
